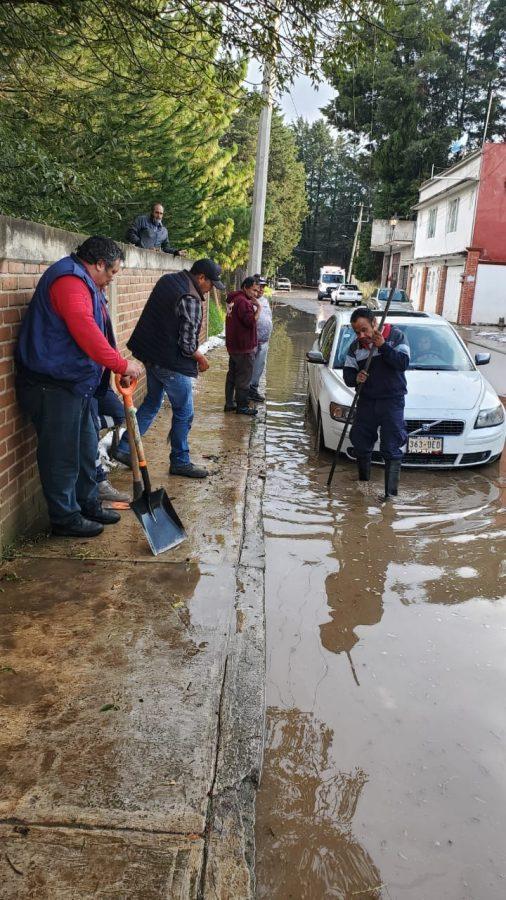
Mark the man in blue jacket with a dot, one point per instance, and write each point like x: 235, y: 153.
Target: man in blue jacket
x: 381, y: 401
x: 150, y: 233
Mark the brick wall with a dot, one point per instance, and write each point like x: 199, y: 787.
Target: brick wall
x: 26, y: 249
x: 469, y: 286
x: 441, y: 290
x: 423, y: 289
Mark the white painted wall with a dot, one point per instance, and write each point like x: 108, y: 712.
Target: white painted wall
x: 467, y: 168
x: 452, y: 292
x: 431, y: 288
x: 416, y: 285
x: 445, y: 243
x: 490, y: 295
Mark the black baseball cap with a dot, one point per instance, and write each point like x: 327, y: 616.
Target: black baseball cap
x: 211, y: 270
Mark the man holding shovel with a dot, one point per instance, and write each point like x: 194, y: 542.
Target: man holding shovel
x: 166, y: 339
x: 64, y: 358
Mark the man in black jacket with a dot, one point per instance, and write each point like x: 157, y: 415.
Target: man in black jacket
x: 381, y: 401
x: 166, y: 340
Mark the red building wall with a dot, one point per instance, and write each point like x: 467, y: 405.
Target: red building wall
x: 490, y: 223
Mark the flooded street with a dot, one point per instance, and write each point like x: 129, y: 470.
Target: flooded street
x: 384, y: 771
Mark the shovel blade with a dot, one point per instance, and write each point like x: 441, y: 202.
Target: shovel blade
x: 160, y: 521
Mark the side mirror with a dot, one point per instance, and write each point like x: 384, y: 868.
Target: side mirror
x: 314, y: 356
x: 481, y: 359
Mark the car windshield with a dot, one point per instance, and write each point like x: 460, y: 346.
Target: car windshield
x: 434, y: 348
x: 332, y: 279
x: 399, y: 296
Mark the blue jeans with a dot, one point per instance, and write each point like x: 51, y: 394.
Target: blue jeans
x: 259, y: 364
x: 178, y: 388
x: 108, y: 412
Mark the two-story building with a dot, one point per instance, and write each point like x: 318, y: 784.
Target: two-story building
x: 452, y: 260
x: 459, y: 253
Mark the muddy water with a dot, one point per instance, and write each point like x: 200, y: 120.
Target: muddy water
x: 384, y: 771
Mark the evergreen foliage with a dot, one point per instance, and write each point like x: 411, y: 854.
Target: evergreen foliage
x: 334, y: 193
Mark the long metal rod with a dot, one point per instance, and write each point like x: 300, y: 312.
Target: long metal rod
x: 358, y: 389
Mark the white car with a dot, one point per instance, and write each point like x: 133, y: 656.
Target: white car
x: 347, y: 293
x: 400, y: 300
x: 454, y: 418
x: 283, y: 284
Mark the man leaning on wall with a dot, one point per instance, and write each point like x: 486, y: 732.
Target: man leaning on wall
x: 149, y: 232
x: 64, y: 358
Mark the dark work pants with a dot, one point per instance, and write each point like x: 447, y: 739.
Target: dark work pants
x: 240, y: 370
x: 387, y: 414
x: 66, y: 449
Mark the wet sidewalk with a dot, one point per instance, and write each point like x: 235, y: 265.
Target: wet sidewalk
x: 132, y: 687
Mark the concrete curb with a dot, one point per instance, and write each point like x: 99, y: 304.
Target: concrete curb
x: 229, y: 855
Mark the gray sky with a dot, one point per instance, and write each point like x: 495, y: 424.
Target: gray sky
x: 305, y: 100
x: 301, y: 100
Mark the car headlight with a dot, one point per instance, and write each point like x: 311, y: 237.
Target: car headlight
x: 339, y: 412
x: 488, y: 417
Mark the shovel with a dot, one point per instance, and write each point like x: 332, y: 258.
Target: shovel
x: 159, y: 520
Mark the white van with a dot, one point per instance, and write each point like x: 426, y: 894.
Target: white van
x: 330, y: 278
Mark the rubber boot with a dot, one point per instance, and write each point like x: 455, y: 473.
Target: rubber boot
x: 392, y: 475
x: 364, y: 468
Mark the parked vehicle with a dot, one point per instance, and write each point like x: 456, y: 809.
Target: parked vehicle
x: 454, y: 417
x: 347, y: 293
x: 330, y: 278
x: 283, y: 284
x: 400, y: 300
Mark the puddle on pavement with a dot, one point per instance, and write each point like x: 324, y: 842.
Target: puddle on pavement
x: 386, y: 624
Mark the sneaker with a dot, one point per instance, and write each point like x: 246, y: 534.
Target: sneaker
x: 187, y: 470
x: 230, y: 407
x: 107, y: 492
x: 256, y: 396
x: 104, y: 516
x: 246, y: 411
x: 121, y: 457
x: 82, y: 527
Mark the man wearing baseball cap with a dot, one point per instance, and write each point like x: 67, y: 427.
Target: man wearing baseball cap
x: 166, y: 340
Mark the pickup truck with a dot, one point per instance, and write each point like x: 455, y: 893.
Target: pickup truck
x: 346, y: 293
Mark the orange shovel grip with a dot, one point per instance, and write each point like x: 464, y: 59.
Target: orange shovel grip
x: 126, y: 390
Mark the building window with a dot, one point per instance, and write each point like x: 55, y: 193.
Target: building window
x: 431, y: 224
x: 452, y: 215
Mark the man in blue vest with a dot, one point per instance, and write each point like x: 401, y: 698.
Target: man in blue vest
x: 64, y: 357
x: 166, y: 339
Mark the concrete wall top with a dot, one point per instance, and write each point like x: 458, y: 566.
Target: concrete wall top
x: 28, y: 241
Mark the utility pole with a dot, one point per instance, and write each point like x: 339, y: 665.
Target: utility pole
x: 356, y: 239
x: 256, y: 237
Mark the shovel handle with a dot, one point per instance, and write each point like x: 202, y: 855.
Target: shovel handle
x: 127, y: 392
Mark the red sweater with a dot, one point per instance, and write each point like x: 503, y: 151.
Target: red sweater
x: 240, y: 324
x: 72, y: 301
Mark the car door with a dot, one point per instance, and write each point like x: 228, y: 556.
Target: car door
x: 325, y: 341
x: 326, y: 344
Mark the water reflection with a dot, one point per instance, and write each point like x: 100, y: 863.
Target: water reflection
x: 307, y: 812
x: 385, y: 670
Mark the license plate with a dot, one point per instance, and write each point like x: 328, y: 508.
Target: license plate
x: 425, y: 444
